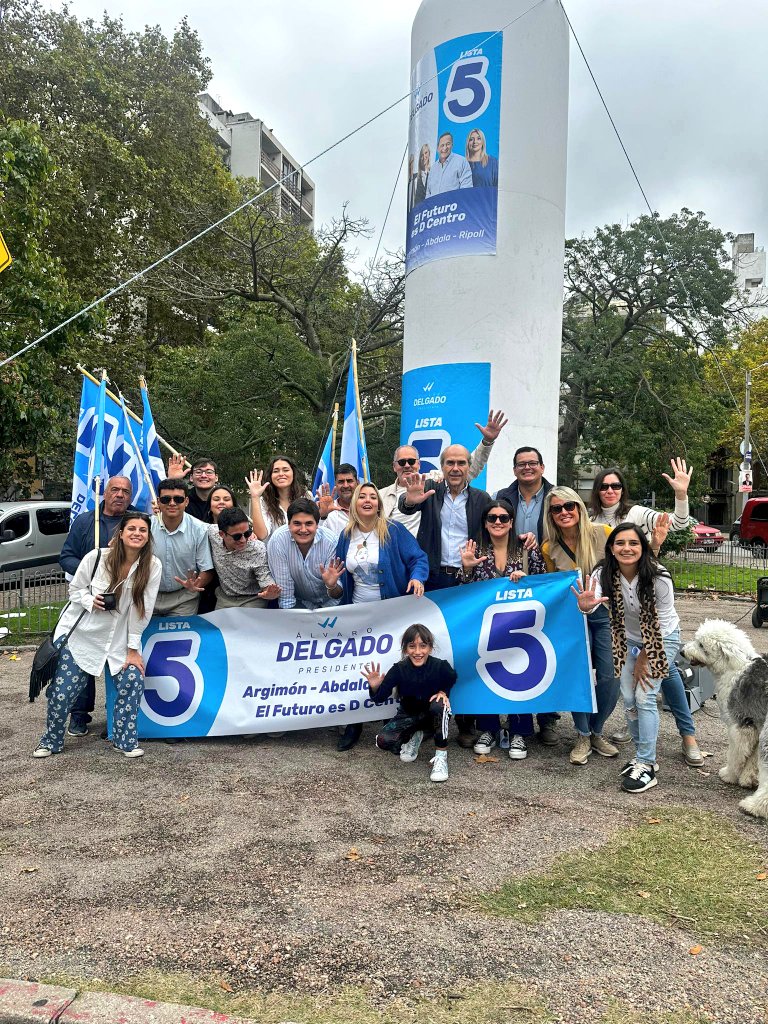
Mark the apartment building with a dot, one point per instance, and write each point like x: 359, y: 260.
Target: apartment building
x: 251, y: 150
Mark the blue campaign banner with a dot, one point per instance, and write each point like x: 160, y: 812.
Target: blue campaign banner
x: 517, y: 648
x: 440, y: 407
x: 453, y: 147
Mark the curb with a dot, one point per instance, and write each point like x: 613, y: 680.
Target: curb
x: 25, y: 1002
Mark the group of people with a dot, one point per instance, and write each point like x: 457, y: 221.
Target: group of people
x: 290, y: 549
x: 476, y: 169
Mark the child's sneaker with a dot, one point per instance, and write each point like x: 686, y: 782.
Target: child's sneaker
x: 639, y: 778
x: 439, y: 766
x: 410, y: 750
x: 517, y: 748
x: 485, y: 743
x: 631, y: 764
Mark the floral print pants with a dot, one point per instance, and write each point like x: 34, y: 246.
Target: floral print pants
x: 68, y: 684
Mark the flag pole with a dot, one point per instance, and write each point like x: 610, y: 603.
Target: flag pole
x: 364, y: 453
x: 100, y: 454
x: 131, y: 413
x: 137, y: 452
x: 334, y: 428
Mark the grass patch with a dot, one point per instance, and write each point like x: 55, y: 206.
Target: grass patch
x: 30, y: 622
x: 683, y: 868
x: 723, y: 579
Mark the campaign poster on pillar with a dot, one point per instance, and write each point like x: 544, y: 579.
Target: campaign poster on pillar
x: 440, y: 407
x: 453, y: 147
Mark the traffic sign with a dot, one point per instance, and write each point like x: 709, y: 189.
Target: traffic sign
x: 5, y: 256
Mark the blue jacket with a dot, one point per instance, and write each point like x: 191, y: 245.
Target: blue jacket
x: 80, y: 539
x: 400, y: 561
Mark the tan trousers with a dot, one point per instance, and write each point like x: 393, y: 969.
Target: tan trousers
x: 176, y: 602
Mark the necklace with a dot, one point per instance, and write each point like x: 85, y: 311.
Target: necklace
x: 363, y: 545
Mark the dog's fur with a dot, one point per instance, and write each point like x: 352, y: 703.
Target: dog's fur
x: 741, y: 675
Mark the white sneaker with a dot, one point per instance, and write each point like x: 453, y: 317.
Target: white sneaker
x: 485, y: 743
x: 439, y: 766
x: 410, y: 750
x: 136, y: 752
x: 42, y: 752
x: 517, y: 748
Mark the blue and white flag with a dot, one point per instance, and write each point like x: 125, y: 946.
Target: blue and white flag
x: 324, y: 473
x: 353, y: 448
x: 104, y: 448
x: 150, y: 447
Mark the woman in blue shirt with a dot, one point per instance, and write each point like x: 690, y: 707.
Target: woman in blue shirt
x: 484, y: 167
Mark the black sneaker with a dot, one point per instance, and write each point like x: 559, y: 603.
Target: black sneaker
x: 639, y: 778
x: 631, y: 764
x: 77, y: 728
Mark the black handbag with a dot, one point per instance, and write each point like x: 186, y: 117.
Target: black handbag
x: 46, y: 659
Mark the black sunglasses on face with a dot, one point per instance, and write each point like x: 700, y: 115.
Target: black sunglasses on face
x: 502, y: 517
x: 569, y: 506
x: 238, y: 536
x: 171, y: 499
x: 611, y: 487
x: 402, y: 463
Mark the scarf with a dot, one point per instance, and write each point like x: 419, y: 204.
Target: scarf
x: 649, y: 629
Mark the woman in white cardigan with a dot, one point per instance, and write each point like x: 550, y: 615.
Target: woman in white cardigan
x: 112, y: 596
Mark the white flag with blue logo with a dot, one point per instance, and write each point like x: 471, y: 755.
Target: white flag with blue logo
x: 353, y: 448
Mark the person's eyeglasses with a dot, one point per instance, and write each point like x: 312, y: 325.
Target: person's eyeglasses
x: 402, y: 463
x: 203, y: 472
x: 611, y: 487
x: 502, y: 517
x: 239, y: 536
x: 568, y: 506
x: 531, y: 464
x: 172, y: 499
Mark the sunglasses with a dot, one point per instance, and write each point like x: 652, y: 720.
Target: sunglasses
x: 569, y: 506
x: 502, y: 517
x: 402, y: 463
x: 171, y: 499
x: 611, y: 487
x: 239, y: 536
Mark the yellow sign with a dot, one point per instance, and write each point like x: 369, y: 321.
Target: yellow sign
x: 5, y: 256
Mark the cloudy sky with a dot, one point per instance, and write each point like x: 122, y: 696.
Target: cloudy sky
x: 685, y: 81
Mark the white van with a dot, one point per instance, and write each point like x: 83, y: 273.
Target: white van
x: 32, y: 534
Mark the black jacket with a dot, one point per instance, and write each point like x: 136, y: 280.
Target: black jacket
x: 512, y: 495
x: 428, y: 536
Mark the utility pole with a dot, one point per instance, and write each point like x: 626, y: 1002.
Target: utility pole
x: 747, y: 461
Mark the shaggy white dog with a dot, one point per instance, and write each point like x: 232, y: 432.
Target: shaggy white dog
x: 741, y: 675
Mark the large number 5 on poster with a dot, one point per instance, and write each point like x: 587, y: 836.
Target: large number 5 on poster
x: 468, y: 93
x: 173, y: 682
x: 516, y: 658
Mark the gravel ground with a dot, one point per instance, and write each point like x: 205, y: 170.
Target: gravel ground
x: 227, y: 858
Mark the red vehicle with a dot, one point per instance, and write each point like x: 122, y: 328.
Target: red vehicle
x: 753, y: 529
x: 706, y: 537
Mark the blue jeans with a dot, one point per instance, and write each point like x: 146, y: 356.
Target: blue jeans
x: 673, y: 688
x: 607, y: 688
x: 640, y: 705
x: 70, y: 681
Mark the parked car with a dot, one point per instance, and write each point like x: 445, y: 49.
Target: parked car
x: 32, y: 533
x: 706, y: 537
x: 733, y: 533
x: 753, y: 530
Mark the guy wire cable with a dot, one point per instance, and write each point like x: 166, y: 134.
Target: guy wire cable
x: 249, y: 202
x: 654, y: 217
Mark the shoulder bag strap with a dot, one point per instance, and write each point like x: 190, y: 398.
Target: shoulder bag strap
x: 82, y: 613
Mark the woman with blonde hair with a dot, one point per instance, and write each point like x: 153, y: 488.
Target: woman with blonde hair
x: 484, y: 167
x: 419, y: 179
x: 573, y: 542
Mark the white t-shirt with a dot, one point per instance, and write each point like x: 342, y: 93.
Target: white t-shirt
x: 363, y: 565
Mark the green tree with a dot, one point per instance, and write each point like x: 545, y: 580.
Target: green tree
x: 633, y: 387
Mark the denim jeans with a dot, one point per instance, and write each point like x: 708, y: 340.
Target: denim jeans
x: 640, y: 705
x: 673, y: 688
x: 607, y: 688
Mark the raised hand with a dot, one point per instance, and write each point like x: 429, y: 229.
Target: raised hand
x: 270, y: 593
x: 415, y: 587
x: 681, y: 479
x: 331, y: 574
x: 468, y: 554
x: 496, y: 423
x: 586, y: 596
x: 192, y: 582
x: 256, y: 484
x: 176, y: 470
x: 372, y: 673
x: 414, y: 489
x: 326, y: 500
x: 660, y: 531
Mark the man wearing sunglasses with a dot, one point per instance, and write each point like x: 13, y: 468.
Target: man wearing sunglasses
x: 406, y: 461
x: 241, y: 563
x: 181, y: 544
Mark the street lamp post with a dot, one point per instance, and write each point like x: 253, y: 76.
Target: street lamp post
x: 746, y: 465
